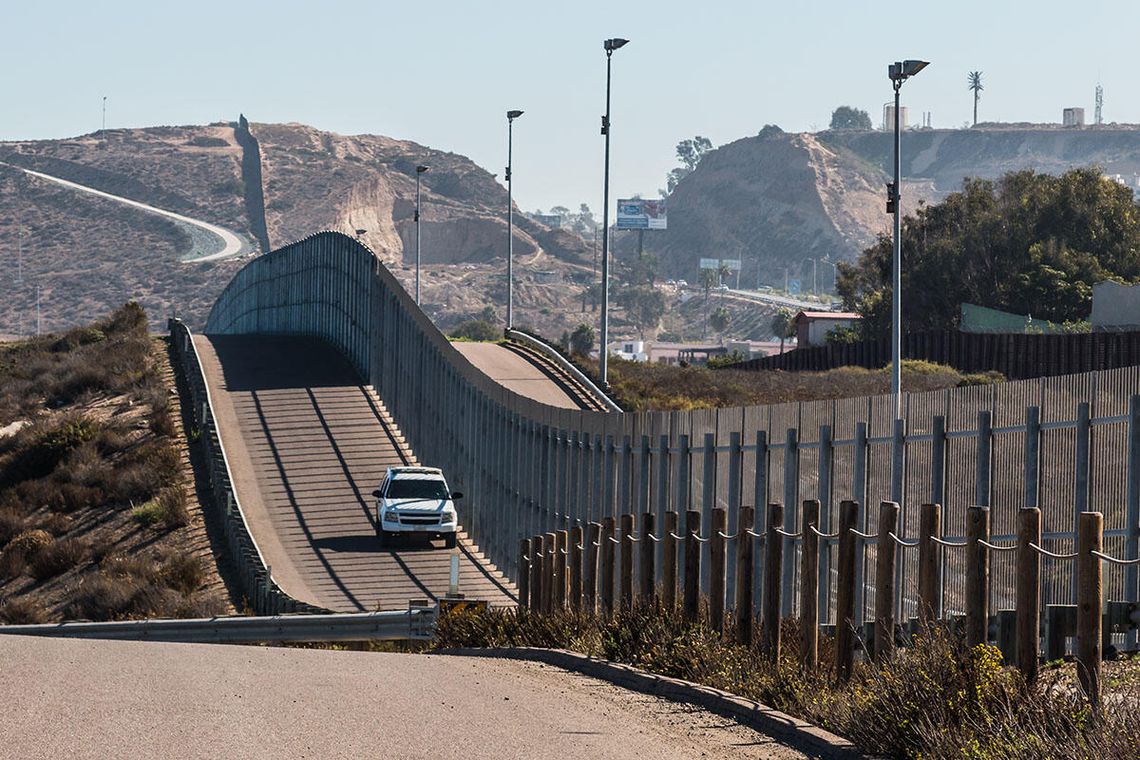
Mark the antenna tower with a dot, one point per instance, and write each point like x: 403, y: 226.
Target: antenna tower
x: 1099, y: 104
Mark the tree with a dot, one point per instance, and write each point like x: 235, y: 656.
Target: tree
x: 782, y: 325
x: 848, y: 117
x: 974, y: 82
x: 645, y: 305
x: 489, y: 314
x: 1027, y: 243
x: 583, y: 222
x: 477, y: 329
x: 690, y: 153
x: 708, y: 281
x: 582, y: 340
x: 720, y: 319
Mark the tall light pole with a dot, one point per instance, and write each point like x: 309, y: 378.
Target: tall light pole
x: 898, y: 72
x: 419, y: 171
x: 104, y: 114
x: 511, y: 116
x: 610, y: 46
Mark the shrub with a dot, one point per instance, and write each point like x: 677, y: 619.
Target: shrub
x: 11, y: 525
x: 58, y: 557
x: 183, y: 572
x: 148, y: 514
x: 476, y: 329
x: 29, y: 542
x: 22, y: 611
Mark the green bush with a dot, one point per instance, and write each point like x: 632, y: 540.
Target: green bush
x: 478, y: 330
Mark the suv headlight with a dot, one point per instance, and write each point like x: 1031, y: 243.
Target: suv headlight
x: 391, y: 515
x: 448, y: 516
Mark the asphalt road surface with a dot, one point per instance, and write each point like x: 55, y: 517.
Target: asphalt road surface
x: 307, y: 444
x: 516, y: 373
x: 72, y: 698
x: 232, y: 245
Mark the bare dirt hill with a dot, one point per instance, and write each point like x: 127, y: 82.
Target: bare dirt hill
x: 86, y: 254
x: 777, y: 200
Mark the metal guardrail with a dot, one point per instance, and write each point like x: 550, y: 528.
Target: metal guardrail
x: 565, y: 366
x: 402, y: 625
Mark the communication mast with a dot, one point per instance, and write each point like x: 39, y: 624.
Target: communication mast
x: 1098, y: 119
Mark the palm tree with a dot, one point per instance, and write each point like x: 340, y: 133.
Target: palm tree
x: 975, y: 84
x: 782, y: 325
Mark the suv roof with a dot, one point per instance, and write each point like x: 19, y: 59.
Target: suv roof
x: 416, y: 473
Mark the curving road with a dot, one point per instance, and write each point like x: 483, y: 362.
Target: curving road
x: 82, y: 699
x: 232, y: 244
x: 516, y: 373
x: 307, y: 443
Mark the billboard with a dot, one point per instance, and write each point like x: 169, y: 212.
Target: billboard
x: 640, y: 214
x: 732, y: 265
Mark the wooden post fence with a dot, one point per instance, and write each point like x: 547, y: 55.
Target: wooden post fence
x: 576, y: 567
x: 669, y: 562
x: 773, y: 563
x: 1090, y: 600
x: 716, y: 568
x: 607, y: 589
x: 645, y: 563
x: 536, y: 561
x: 625, y: 581
x: 590, y: 569
x: 561, y: 556
x: 549, y: 556
x: 977, y: 576
x: 691, y: 598
x: 929, y: 563
x: 524, y: 572
x: 845, y: 614
x: 809, y: 585
x: 745, y: 541
x: 885, y: 555
x: 1028, y: 592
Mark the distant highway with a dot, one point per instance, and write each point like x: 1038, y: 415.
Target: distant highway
x: 232, y: 244
x: 784, y: 301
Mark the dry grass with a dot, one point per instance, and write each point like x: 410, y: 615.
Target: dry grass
x: 101, y: 441
x: 936, y: 699
x: 639, y: 386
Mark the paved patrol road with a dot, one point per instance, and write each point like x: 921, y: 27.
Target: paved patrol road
x: 82, y: 699
x: 307, y: 443
x: 516, y: 373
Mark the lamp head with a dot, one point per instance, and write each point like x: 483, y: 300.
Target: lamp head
x: 421, y: 169
x: 512, y: 115
x: 901, y: 71
x: 613, y: 44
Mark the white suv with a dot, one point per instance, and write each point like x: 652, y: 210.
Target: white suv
x: 415, y: 501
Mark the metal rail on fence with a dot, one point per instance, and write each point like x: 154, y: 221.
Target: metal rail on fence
x: 254, y: 575
x: 564, y: 365
x: 413, y: 624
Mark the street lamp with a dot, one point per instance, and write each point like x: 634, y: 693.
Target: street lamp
x: 610, y: 46
x: 898, y: 72
x: 511, y: 116
x: 419, y: 171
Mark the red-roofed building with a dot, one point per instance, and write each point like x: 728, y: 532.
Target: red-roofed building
x: 812, y: 327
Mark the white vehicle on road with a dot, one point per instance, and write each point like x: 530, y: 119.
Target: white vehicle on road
x: 415, y: 501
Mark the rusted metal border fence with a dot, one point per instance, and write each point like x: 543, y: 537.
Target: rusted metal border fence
x: 1060, y: 444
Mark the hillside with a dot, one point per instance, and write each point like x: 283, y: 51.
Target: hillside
x: 86, y: 253
x: 98, y: 514
x: 778, y: 199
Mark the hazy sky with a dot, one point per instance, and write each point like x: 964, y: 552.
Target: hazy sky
x: 443, y: 73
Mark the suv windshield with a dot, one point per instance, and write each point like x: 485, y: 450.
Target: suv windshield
x: 416, y: 489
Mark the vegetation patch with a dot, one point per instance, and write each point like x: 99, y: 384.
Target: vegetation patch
x: 95, y: 478
x: 639, y: 386
x: 936, y: 699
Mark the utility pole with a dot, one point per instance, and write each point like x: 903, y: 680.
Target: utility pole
x: 39, y: 319
x: 20, y: 257
x: 511, y: 116
x: 419, y: 172
x: 104, y: 114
